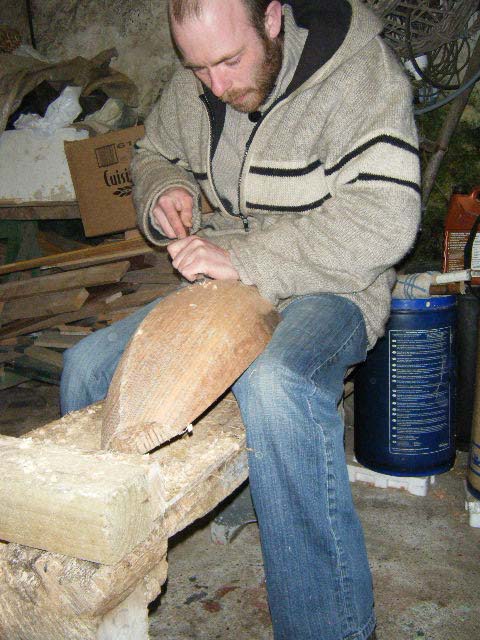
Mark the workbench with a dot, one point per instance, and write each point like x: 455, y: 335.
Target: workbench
x: 48, y: 595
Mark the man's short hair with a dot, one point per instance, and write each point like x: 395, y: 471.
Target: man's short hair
x: 181, y: 10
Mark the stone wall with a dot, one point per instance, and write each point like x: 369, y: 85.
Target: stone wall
x: 138, y: 30
x: 14, y: 14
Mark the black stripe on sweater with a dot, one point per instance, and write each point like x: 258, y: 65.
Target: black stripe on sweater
x: 383, y: 139
x: 197, y: 174
x: 274, y: 172
x: 368, y: 177
x: 285, y: 209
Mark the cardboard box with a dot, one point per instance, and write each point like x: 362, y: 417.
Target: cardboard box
x: 100, y: 170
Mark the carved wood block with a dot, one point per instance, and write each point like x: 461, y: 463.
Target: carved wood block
x: 183, y: 356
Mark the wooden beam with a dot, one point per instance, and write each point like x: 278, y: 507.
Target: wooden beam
x: 152, y: 275
x: 44, y: 304
x: 74, y: 330
x: 198, y: 468
x: 57, y: 340
x: 10, y: 379
x: 144, y: 295
x: 56, y: 607
x: 83, y: 504
x: 49, y: 356
x: 35, y: 369
x: 89, y: 310
x: 106, y: 252
x: 49, y: 596
x: 29, y: 326
x: 89, y: 277
x: 60, y: 243
x: 51, y: 211
x: 8, y: 356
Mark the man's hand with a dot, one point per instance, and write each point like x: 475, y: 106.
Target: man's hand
x: 173, y: 212
x: 194, y: 257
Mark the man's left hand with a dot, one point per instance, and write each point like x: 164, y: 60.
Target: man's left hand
x: 194, y: 257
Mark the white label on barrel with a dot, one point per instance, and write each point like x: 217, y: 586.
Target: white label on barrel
x: 419, y: 390
x: 474, y: 465
x: 476, y: 253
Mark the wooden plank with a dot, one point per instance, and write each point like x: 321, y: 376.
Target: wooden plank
x: 50, y: 211
x: 74, y: 329
x: 61, y: 243
x: 114, y: 316
x: 103, y: 292
x: 57, y: 340
x: 29, y: 326
x: 44, y: 304
x: 132, y: 233
x: 89, y: 310
x: 144, y: 295
x: 104, y: 252
x: 35, y: 369
x: 89, y: 277
x: 53, y: 606
x: 48, y: 356
x: 10, y: 379
x: 8, y: 356
x: 19, y: 341
x: 152, y: 275
x: 93, y: 506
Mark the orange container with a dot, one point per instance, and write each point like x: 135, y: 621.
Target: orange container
x: 463, y: 211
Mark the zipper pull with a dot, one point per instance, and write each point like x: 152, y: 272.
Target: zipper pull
x: 245, y: 223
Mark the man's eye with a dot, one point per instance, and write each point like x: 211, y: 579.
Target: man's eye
x: 232, y: 62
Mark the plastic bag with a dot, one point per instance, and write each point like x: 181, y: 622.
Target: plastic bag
x: 59, y: 114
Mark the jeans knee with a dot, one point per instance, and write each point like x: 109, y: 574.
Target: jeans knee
x: 78, y: 362
x: 69, y: 360
x: 266, y: 387
x: 78, y: 380
x: 85, y: 376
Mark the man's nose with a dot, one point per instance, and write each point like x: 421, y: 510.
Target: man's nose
x: 219, y: 82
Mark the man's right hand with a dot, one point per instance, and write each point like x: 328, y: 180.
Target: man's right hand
x: 173, y: 212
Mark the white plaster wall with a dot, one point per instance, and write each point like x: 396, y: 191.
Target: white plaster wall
x: 138, y: 29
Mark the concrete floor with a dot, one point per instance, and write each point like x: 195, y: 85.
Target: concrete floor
x: 424, y: 555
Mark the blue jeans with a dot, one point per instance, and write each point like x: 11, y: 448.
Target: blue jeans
x: 317, y: 574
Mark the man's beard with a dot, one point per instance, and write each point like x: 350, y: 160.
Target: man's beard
x: 264, y: 80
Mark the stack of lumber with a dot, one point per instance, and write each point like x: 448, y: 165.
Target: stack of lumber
x: 48, y: 304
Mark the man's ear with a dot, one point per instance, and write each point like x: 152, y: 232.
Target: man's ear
x: 273, y: 19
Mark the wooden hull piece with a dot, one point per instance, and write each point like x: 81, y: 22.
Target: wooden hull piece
x: 183, y: 356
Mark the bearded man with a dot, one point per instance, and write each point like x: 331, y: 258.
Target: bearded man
x: 298, y: 129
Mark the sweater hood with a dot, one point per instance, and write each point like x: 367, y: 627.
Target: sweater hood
x: 337, y: 31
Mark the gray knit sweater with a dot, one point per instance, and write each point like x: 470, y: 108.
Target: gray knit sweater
x: 328, y: 196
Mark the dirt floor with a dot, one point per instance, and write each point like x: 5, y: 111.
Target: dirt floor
x: 424, y: 555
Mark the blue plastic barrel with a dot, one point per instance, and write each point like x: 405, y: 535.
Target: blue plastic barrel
x: 405, y: 392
